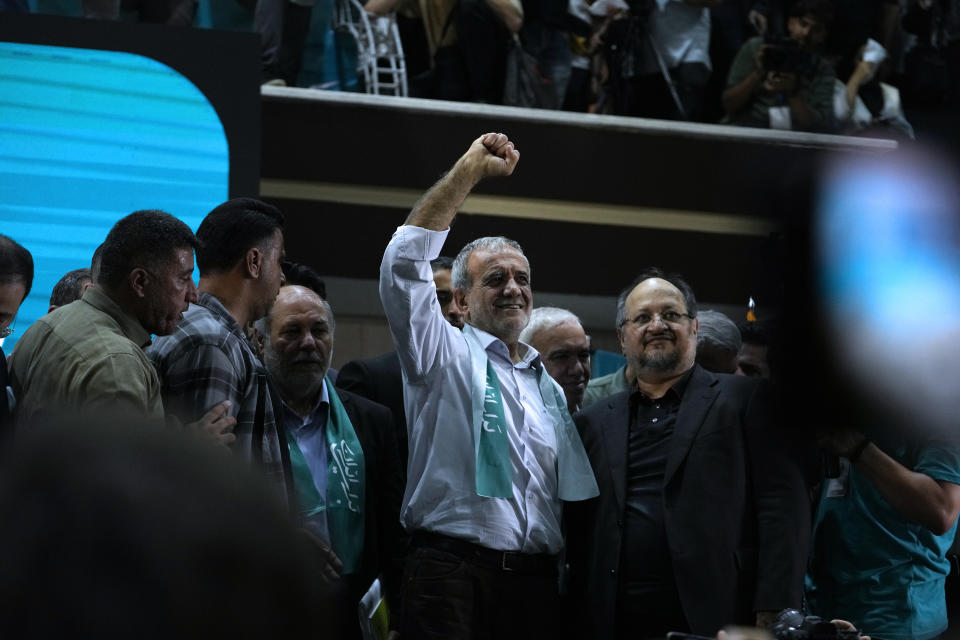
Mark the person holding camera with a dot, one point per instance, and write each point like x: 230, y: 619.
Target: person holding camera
x: 782, y: 82
x: 882, y: 530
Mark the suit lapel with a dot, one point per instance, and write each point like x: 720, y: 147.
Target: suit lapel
x: 615, y: 424
x: 353, y: 412
x: 699, y: 395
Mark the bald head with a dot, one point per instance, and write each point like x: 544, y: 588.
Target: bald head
x: 658, y: 336
x: 298, y: 345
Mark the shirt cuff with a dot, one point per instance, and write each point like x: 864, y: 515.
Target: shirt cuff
x: 417, y: 243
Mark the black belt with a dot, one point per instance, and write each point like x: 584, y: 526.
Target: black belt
x: 542, y: 564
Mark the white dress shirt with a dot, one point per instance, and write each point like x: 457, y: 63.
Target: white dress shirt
x: 437, y: 373
x: 681, y: 33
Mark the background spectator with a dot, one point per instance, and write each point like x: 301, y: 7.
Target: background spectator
x: 718, y: 342
x: 545, y: 36
x: 468, y: 40
x: 658, y: 58
x: 756, y: 343
x: 70, y: 287
x: 564, y: 349
x: 785, y: 84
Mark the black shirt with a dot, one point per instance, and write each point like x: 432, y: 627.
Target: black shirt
x: 649, y: 605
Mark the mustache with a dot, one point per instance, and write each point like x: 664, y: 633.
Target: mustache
x: 666, y: 333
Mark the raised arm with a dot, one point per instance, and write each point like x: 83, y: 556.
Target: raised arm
x: 424, y: 339
x: 919, y: 497
x: 745, y: 79
x: 491, y: 154
x: 381, y: 7
x: 510, y: 12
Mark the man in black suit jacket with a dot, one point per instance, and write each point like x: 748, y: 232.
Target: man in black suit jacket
x: 379, y: 378
x: 703, y: 515
x: 298, y: 342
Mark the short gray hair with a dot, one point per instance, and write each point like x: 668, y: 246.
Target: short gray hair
x: 718, y: 331
x: 545, y: 318
x: 461, y: 275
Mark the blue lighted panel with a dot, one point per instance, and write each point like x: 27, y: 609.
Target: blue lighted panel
x: 89, y: 136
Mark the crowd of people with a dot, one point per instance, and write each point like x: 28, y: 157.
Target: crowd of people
x: 816, y: 65
x: 837, y: 66
x: 476, y: 474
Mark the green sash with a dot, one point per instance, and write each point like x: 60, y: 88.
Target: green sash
x: 494, y: 476
x: 345, y: 499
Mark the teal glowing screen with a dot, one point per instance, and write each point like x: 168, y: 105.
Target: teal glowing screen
x: 88, y: 136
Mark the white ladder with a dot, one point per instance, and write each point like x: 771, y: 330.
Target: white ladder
x: 379, y: 51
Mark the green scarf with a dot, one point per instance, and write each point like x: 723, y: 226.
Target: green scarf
x: 345, y: 499
x: 494, y: 476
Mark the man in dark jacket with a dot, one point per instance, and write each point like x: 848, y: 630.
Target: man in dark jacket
x: 344, y: 470
x: 703, y: 518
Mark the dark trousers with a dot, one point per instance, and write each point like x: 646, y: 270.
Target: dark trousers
x: 173, y: 12
x: 482, y: 43
x: 649, y: 612
x: 283, y: 27
x: 649, y: 96
x: 450, y: 592
x: 551, y: 48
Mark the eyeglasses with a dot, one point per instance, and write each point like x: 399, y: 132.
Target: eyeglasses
x: 669, y: 317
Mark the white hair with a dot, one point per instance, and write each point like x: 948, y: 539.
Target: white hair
x: 545, y: 318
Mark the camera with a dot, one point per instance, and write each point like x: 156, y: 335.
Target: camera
x: 790, y: 624
x: 782, y: 54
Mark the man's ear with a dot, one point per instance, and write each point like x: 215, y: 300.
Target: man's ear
x: 253, y: 262
x: 460, y: 297
x: 137, y: 279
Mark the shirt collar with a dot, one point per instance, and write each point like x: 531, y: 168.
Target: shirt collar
x: 317, y: 414
x: 212, y: 304
x: 530, y: 357
x: 130, y: 326
x: 673, y: 395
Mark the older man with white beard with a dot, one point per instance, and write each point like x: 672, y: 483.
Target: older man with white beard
x: 703, y: 516
x: 493, y: 450
x: 342, y: 462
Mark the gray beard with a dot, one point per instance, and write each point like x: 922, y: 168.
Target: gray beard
x: 293, y: 387
x: 658, y: 363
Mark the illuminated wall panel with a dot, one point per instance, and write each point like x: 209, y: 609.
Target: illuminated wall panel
x: 86, y: 137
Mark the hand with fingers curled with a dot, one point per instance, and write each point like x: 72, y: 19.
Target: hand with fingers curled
x: 493, y: 154
x: 328, y: 563
x: 216, y: 424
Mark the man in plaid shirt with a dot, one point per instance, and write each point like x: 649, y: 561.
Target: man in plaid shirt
x: 208, y: 357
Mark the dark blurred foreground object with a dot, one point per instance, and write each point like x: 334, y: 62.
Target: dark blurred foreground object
x: 113, y: 530
x: 790, y: 624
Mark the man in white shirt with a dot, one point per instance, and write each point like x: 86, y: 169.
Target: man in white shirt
x: 663, y: 39
x: 492, y: 448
